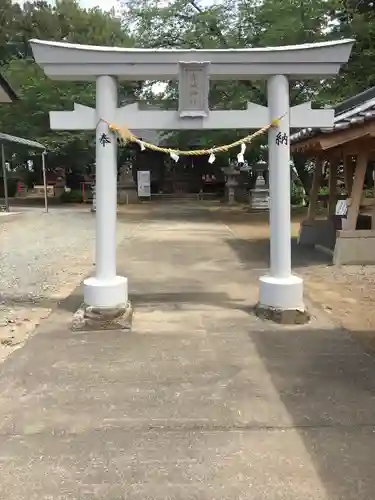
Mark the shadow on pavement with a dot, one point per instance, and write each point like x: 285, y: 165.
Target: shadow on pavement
x: 257, y: 252
x: 179, y: 300
x: 327, y: 384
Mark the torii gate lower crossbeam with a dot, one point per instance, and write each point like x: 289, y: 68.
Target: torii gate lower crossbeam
x: 280, y: 290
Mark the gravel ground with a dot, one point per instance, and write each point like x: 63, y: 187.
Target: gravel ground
x: 43, y: 257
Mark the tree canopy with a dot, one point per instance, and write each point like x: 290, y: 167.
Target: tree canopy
x: 250, y: 23
x: 29, y: 116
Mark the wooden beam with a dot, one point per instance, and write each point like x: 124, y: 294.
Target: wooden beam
x: 355, y: 147
x: 306, y: 146
x: 342, y: 139
x: 336, y: 138
x: 332, y: 186
x: 313, y: 198
x: 359, y: 178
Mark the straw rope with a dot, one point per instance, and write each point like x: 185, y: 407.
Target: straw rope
x: 127, y: 136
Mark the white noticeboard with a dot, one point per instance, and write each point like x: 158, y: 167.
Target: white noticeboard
x: 144, y: 183
x: 93, y: 208
x: 341, y: 207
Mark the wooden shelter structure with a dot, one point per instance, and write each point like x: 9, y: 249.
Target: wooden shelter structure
x: 347, y: 149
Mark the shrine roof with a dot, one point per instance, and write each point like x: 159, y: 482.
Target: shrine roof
x: 20, y: 140
x: 7, y: 94
x: 352, y: 112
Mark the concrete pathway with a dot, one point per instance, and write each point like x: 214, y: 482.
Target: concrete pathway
x: 200, y: 401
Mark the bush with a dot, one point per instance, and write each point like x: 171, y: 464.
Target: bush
x: 296, y: 195
x: 74, y: 196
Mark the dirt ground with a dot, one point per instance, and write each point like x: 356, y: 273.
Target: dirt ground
x: 345, y: 292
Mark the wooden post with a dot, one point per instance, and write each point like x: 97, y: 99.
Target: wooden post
x: 313, y: 198
x: 359, y: 177
x: 348, y: 173
x: 332, y: 185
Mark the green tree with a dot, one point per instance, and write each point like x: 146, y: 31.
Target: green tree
x: 353, y: 19
x: 10, y: 18
x: 232, y: 24
x: 29, y: 117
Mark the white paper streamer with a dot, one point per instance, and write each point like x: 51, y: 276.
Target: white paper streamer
x: 142, y: 146
x: 240, y: 156
x: 211, y: 158
x: 174, y: 156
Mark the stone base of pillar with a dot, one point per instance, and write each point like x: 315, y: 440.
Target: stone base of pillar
x: 105, y: 294
x: 281, y: 300
x: 89, y: 318
x: 106, y: 306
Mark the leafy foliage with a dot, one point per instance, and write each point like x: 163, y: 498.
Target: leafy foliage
x: 29, y: 117
x: 230, y: 24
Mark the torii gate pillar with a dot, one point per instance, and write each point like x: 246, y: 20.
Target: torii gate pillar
x: 106, y: 289
x: 280, y: 289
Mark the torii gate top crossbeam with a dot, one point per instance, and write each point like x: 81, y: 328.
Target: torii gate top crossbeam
x: 65, y: 61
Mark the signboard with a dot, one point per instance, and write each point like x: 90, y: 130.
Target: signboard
x: 342, y: 207
x: 193, y: 89
x: 144, y: 183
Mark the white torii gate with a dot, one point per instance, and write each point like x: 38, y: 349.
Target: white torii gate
x: 280, y: 289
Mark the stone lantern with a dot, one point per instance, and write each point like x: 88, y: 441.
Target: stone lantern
x: 259, y: 195
x: 231, y: 175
